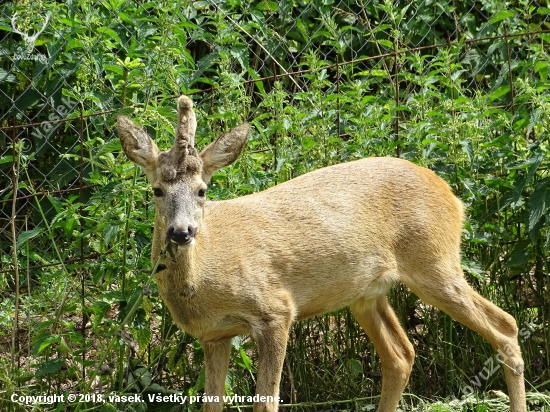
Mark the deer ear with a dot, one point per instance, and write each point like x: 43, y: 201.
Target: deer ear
x: 224, y: 150
x: 137, y: 144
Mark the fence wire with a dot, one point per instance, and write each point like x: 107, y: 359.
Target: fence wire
x: 64, y: 75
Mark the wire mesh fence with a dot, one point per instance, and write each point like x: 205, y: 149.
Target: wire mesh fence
x: 59, y: 92
x: 361, y: 72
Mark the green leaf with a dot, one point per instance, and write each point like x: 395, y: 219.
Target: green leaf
x: 28, y: 235
x: 70, y: 225
x: 320, y: 33
x: 303, y: 30
x: 401, y: 14
x: 520, y: 255
x: 25, y: 377
x: 49, y: 367
x: 45, y: 342
x: 502, y: 15
x: 27, y: 100
x: 109, y: 147
x: 468, y: 149
x: 542, y: 69
x: 473, y: 268
x: 99, y: 309
x: 56, y: 203
x: 111, y: 33
x: 258, y: 84
x: 109, y: 233
x: 6, y: 159
x: 533, y: 120
x: 308, y: 142
x: 144, y: 376
x: 199, y: 384
x: 501, y: 91
x: 246, y: 361
x: 7, y: 77
x: 539, y: 203
x: 126, y: 307
x: 236, y: 342
x: 355, y: 367
x: 514, y: 197
x: 386, y: 43
x: 203, y: 65
x: 115, y: 69
x: 269, y: 6
x: 77, y: 338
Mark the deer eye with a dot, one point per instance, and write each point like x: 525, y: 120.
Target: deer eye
x: 158, y: 192
x: 202, y: 192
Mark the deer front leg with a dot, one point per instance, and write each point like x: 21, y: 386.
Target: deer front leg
x: 271, y: 340
x: 216, y: 356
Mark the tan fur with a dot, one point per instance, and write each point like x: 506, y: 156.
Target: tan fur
x: 336, y: 237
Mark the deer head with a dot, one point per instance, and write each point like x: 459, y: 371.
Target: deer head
x: 179, y: 176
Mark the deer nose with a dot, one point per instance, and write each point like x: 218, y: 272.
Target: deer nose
x: 181, y: 236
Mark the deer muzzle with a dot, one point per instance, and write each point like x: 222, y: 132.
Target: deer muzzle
x: 181, y: 236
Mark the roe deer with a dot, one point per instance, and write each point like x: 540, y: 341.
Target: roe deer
x: 339, y: 236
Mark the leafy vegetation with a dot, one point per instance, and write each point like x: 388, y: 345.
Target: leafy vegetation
x: 79, y: 311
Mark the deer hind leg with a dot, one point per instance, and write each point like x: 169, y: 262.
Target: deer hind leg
x: 454, y: 296
x: 396, y: 353
x: 216, y: 356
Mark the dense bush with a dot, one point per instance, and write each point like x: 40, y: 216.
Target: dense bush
x: 367, y: 82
